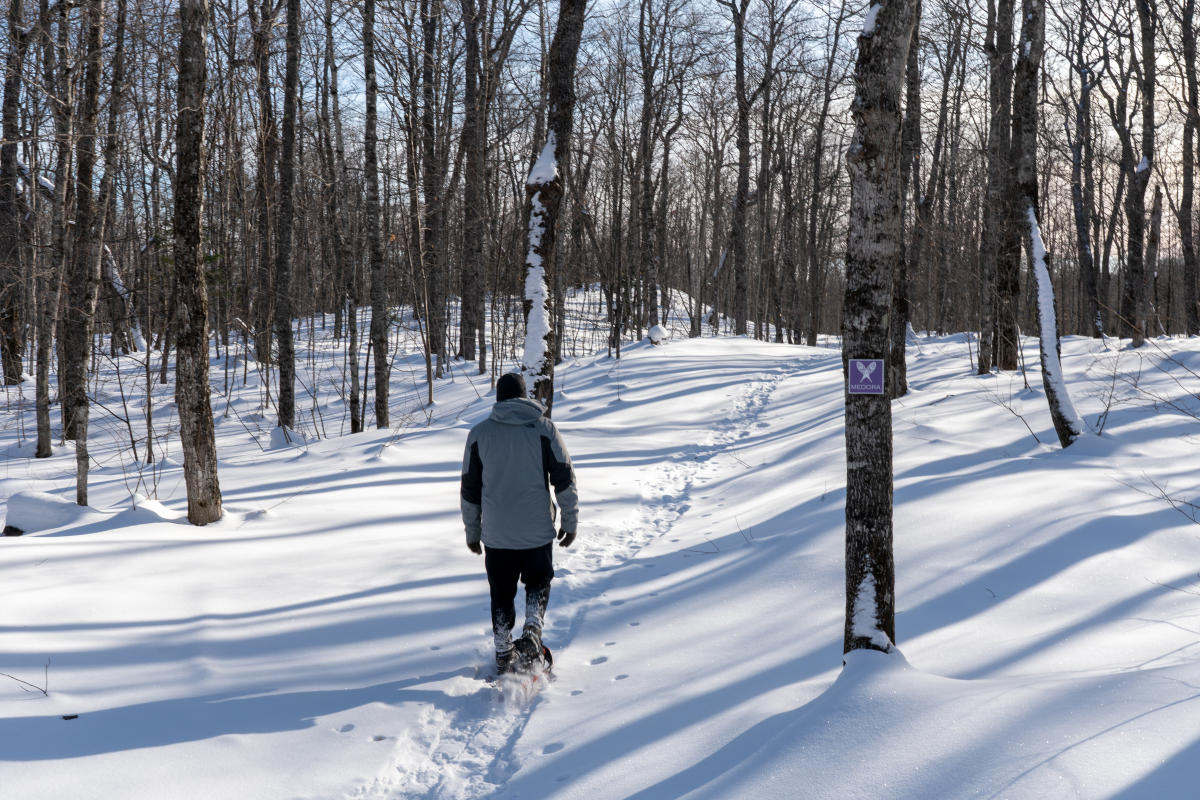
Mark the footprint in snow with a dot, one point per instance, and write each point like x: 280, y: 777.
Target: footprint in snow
x: 599, y: 660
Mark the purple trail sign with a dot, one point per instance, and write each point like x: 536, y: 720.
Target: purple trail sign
x: 866, y: 376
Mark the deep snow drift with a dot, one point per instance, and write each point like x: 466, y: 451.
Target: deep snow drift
x: 323, y: 640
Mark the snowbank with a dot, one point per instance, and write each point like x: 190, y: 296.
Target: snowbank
x: 38, y: 511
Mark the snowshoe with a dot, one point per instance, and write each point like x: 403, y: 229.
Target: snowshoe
x: 530, y: 656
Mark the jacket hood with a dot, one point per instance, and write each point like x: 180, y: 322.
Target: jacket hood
x: 517, y: 411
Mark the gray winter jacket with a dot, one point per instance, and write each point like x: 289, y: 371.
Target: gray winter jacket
x: 512, y: 459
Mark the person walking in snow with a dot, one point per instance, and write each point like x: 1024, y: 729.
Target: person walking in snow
x: 511, y: 460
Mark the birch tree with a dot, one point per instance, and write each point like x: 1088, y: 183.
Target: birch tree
x: 12, y: 323
x: 544, y: 190
x: 287, y: 212
x: 191, y: 306
x: 83, y: 273
x: 379, y: 309
x: 873, y: 252
x: 1067, y: 423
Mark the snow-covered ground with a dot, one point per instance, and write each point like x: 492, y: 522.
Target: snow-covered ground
x: 323, y: 639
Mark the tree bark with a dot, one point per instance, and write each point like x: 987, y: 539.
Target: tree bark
x: 379, y: 309
x: 268, y: 157
x: 910, y: 176
x: 57, y: 75
x: 83, y: 274
x: 873, y: 251
x: 737, y: 244
x: 191, y: 298
x: 287, y: 209
x: 1187, y: 223
x: 1133, y: 295
x: 997, y: 343
x: 544, y: 190
x: 12, y: 323
x: 1067, y: 424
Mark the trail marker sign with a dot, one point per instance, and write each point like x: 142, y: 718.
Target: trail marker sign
x: 866, y: 376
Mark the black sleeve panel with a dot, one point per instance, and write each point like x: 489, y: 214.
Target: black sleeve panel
x: 472, y: 479
x: 558, y: 474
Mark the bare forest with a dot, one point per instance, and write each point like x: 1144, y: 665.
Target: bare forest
x: 211, y: 178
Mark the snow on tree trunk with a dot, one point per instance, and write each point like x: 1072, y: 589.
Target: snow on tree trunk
x: 545, y: 190
x: 874, y: 248
x: 1025, y: 124
x: 544, y: 185
x: 191, y: 313
x: 1067, y: 423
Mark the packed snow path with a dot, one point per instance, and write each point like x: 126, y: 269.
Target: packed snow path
x: 323, y: 640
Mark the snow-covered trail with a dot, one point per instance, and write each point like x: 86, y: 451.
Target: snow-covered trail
x: 479, y: 744
x: 323, y: 640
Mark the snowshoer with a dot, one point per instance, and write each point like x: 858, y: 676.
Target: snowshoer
x: 511, y: 460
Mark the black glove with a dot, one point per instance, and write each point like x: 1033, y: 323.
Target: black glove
x: 565, y: 537
x: 475, y: 547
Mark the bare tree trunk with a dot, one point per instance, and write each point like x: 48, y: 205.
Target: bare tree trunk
x: 1067, y: 424
x: 474, y: 145
x: 191, y: 306
x: 117, y: 298
x: 344, y: 268
x: 12, y: 325
x: 83, y: 274
x: 817, y: 199
x: 993, y: 250
x: 910, y: 175
x: 873, y: 251
x: 287, y: 210
x: 1083, y: 198
x: 741, y: 291
x: 544, y: 189
x: 1187, y: 223
x: 433, y: 181
x: 1152, y: 242
x: 1133, y: 295
x: 379, y: 309
x: 268, y: 157
x: 57, y: 75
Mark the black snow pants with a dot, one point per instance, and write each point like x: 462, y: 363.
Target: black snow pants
x: 533, y: 567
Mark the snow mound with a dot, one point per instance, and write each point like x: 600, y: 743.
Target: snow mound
x: 38, y: 511
x: 657, y: 334
x: 282, y: 438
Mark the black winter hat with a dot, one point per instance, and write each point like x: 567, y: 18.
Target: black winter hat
x: 510, y: 386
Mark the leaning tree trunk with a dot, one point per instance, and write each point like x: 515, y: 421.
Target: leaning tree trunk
x: 544, y: 189
x: 191, y: 306
x: 83, y: 273
x: 287, y: 206
x: 1067, y: 424
x: 873, y: 251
